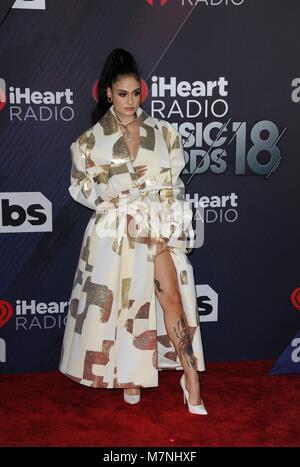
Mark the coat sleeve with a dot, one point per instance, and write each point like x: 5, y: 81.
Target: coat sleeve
x: 83, y: 178
x: 176, y: 211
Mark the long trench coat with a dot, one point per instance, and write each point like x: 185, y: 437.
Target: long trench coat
x: 115, y: 335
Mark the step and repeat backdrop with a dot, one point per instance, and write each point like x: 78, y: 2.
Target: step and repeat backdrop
x: 226, y: 74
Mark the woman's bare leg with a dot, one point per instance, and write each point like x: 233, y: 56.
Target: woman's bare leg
x: 169, y: 297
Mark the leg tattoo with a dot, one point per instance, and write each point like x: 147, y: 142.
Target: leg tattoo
x: 185, y: 346
x: 156, y: 282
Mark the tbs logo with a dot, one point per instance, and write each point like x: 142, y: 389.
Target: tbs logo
x: 208, y: 298
x: 30, y: 4
x: 25, y: 212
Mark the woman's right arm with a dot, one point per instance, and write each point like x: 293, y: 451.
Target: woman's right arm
x: 82, y: 187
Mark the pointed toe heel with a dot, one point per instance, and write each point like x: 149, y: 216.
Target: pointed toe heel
x: 195, y: 409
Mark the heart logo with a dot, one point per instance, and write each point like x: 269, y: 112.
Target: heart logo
x: 6, y: 312
x: 295, y: 298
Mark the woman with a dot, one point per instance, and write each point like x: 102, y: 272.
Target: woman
x: 133, y: 306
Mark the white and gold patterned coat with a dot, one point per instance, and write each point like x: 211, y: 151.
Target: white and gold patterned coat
x: 115, y: 335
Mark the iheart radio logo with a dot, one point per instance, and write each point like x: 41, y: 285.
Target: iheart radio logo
x: 295, y: 298
x: 151, y: 2
x: 2, y: 93
x: 289, y: 360
x: 6, y: 312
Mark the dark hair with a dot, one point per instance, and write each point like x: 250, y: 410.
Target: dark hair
x: 119, y: 62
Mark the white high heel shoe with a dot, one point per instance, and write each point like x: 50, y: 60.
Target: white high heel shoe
x: 131, y: 398
x: 196, y: 409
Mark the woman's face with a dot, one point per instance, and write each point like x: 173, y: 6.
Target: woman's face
x: 126, y: 95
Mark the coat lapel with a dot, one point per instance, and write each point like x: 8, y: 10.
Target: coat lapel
x: 153, y: 150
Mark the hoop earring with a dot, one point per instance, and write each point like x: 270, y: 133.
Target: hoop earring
x: 109, y: 99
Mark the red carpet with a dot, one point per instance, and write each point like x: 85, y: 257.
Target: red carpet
x: 246, y: 408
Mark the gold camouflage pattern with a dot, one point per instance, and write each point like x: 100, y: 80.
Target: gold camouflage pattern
x: 115, y: 335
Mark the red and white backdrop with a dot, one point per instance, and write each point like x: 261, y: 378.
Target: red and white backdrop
x: 226, y: 73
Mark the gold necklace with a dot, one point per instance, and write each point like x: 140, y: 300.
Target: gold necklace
x: 126, y: 132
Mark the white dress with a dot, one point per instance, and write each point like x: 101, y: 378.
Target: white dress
x: 115, y: 335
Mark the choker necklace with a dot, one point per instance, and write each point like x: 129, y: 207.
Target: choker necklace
x: 126, y: 132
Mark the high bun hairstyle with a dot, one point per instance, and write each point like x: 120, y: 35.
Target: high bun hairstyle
x: 119, y: 62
